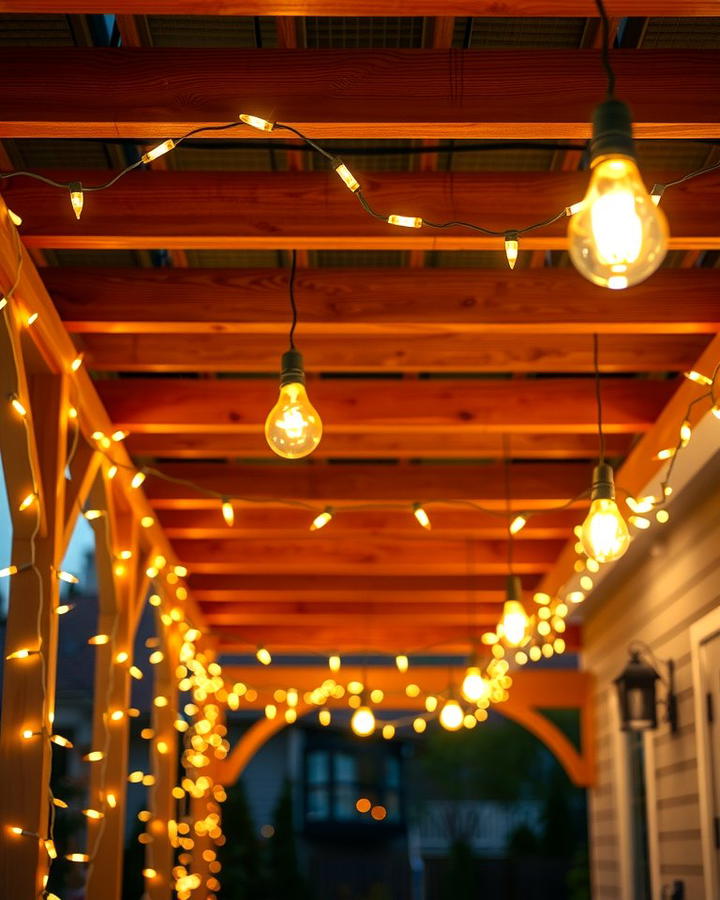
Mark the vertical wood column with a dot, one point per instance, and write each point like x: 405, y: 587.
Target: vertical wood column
x: 118, y: 584
x: 33, y: 459
x: 164, y: 755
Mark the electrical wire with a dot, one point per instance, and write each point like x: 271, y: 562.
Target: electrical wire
x: 293, y: 306
x: 598, y: 399
x: 605, y: 49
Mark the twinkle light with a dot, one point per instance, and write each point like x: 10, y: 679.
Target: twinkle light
x: 137, y: 479
x: 118, y: 435
x: 64, y: 608
x: 77, y: 198
x: 50, y: 848
x: 325, y: 717
x: 112, y: 472
x: 18, y: 405
x: 61, y: 741
x: 346, y: 175
x: 662, y: 516
x: 228, y: 513
x: 93, y: 814
x: 405, y: 221
x: 94, y: 756
x: 698, y: 378
x: 475, y: 687
x: 256, y: 122
x: 68, y: 577
x: 14, y: 218
x: 422, y: 516
x: 147, y: 521
x: 160, y: 150
x: 402, y: 662
x: 639, y: 522
x: 32, y: 319
x: 98, y: 640
x: 27, y: 502
x: 23, y: 653
x: 363, y: 721
x: 7, y: 572
x: 263, y: 656
x: 92, y: 514
x: 451, y: 715
x: 77, y: 857
x: 685, y: 433
x: 334, y: 663
x: 511, y: 248
x: 517, y: 524
x: 667, y: 453
x: 77, y: 362
x: 322, y: 519
x: 419, y: 725
x: 111, y: 800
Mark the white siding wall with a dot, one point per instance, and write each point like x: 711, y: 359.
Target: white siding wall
x: 655, y: 599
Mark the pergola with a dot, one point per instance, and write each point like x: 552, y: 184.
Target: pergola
x: 427, y: 373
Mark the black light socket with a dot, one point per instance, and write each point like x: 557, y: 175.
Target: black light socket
x: 603, y: 486
x: 612, y: 131
x: 513, y: 590
x: 292, y: 371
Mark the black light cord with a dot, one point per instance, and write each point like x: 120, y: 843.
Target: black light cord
x: 508, y: 495
x: 598, y: 398
x: 291, y: 288
x: 605, y: 50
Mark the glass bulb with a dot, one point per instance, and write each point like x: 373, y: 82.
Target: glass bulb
x: 619, y: 237
x: 293, y: 428
x: 474, y: 686
x: 363, y: 721
x: 604, y: 535
x: 451, y: 716
x: 515, y: 622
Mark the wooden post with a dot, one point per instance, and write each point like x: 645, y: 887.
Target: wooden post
x: 118, y: 582
x: 34, y: 462
x: 164, y: 755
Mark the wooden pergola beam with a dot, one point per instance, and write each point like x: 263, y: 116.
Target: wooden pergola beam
x: 555, y: 405
x: 425, y: 350
x: 535, y: 485
x: 306, y: 554
x: 313, y: 210
x: 223, y: 614
x: 375, y: 301
x: 388, y: 93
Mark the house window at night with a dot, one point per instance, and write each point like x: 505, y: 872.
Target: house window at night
x: 352, y: 784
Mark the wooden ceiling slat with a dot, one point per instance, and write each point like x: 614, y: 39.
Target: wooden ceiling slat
x: 420, y: 613
x: 307, y: 553
x: 463, y: 445
x: 286, y: 210
x: 535, y: 485
x: 429, y: 349
x: 557, y: 405
x: 379, y: 93
x: 373, y: 637
x: 336, y: 301
x: 292, y: 523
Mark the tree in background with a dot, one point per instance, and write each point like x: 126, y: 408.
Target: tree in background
x: 243, y: 875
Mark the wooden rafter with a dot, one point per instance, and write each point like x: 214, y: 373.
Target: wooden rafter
x: 312, y: 210
x: 138, y: 92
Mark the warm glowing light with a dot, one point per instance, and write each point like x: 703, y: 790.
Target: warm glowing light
x: 112, y: 472
x: 14, y: 218
x: 421, y: 516
x: 363, y: 805
x: 643, y: 505
x: 77, y: 857
x: 160, y: 150
x: 451, y: 715
x: 94, y: 814
x: 147, y: 521
x: 698, y: 377
x: 511, y: 249
x: 474, y: 686
x: 77, y: 201
x: 517, y: 524
x: 402, y: 662
x: 263, y: 656
x: 118, y: 435
x: 50, y: 848
x: 92, y: 514
x: 32, y: 319
x: 228, y: 513
x: 662, y: 516
x: 514, y: 622
x: 149, y: 873
x: 639, y: 522
x: 405, y: 221
x: 68, y: 577
x: 77, y: 362
x: 17, y: 405
x: 61, y: 741
x: 72, y: 412
x: 94, y: 756
x: 22, y: 654
x: 667, y: 453
x: 334, y: 663
x: 64, y: 608
x: 685, y: 433
x: 363, y: 721
x: 419, y: 724
x: 27, y: 502
x: 388, y: 731
x: 324, y: 717
x: 6, y: 573
x: 293, y: 427
x: 137, y: 479
x: 605, y: 535
x: 117, y: 715
x: 111, y: 800
x: 378, y: 813
x: 99, y: 639
x: 321, y: 520
x: 157, y: 656
x: 347, y: 176
x: 256, y: 122
x: 619, y: 237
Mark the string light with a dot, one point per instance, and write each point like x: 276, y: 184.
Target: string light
x: 451, y: 715
x: 137, y: 479
x: 511, y: 248
x: 18, y: 406
x: 517, y: 524
x: 77, y: 362
x: 76, y: 198
x: 228, y: 513
x: 698, y: 378
x: 322, y: 519
x: 8, y: 571
x: 402, y: 662
x: 263, y: 656
x: 422, y: 516
x: 160, y: 150
x: 334, y: 663
x: 68, y: 577
x: 27, y: 502
x: 405, y: 221
x: 346, y: 175
x: 256, y: 122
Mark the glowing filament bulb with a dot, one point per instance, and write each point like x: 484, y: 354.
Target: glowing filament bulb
x: 321, y: 520
x: 511, y: 248
x: 517, y: 524
x: 346, y: 175
x: 160, y: 150
x: 137, y: 479
x: 421, y: 516
x: 256, y: 122
x: 263, y: 656
x: 27, y: 502
x: 402, y: 662
x: 619, y: 237
x: 293, y: 427
x: 514, y: 622
x: 405, y: 221
x: 363, y: 721
x: 77, y: 198
x: 17, y: 405
x: 334, y: 663
x: 451, y: 716
x: 474, y: 686
x: 605, y: 535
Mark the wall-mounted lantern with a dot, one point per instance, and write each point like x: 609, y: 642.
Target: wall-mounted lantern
x: 637, y: 692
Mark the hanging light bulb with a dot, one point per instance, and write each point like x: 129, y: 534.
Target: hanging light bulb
x: 293, y: 428
x: 422, y: 516
x: 619, y: 236
x: 402, y: 662
x: 474, y: 686
x: 511, y: 247
x: 321, y: 520
x: 363, y: 719
x: 76, y: 198
x: 451, y: 715
x: 605, y: 534
x: 514, y: 621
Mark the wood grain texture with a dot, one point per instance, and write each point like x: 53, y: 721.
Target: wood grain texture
x: 164, y: 92
x: 535, y: 485
x: 312, y: 210
x: 559, y: 405
x: 378, y: 301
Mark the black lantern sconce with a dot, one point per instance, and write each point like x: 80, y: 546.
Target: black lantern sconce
x: 637, y: 692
